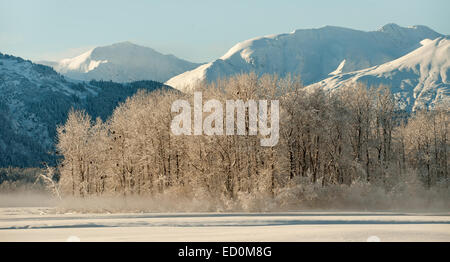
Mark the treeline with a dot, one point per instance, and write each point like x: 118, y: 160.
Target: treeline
x: 50, y: 108
x: 355, y: 134
x: 111, y: 94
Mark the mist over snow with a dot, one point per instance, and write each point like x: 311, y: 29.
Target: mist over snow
x: 289, y: 121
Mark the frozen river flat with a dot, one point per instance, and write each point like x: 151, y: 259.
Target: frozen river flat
x: 44, y: 224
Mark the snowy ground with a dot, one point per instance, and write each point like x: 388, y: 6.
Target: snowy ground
x: 44, y: 224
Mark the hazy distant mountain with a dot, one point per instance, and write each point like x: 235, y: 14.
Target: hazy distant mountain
x: 34, y: 99
x: 420, y: 79
x: 122, y: 62
x: 315, y: 54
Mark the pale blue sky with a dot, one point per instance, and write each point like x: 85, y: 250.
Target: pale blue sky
x: 197, y: 30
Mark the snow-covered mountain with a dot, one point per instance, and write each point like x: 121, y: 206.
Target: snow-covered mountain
x: 122, y: 62
x: 313, y: 53
x: 420, y: 79
x: 34, y: 99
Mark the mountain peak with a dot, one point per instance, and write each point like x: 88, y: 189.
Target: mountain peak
x: 122, y: 62
x: 313, y: 53
x: 423, y: 28
x: 417, y: 79
x: 395, y: 28
x: 390, y: 27
x: 125, y: 44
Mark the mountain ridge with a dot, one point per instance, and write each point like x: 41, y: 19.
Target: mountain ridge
x: 121, y: 62
x: 419, y: 79
x: 312, y: 53
x: 35, y: 99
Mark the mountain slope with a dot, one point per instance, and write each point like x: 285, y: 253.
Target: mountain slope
x: 122, y: 62
x: 312, y: 53
x: 420, y: 79
x: 34, y: 99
